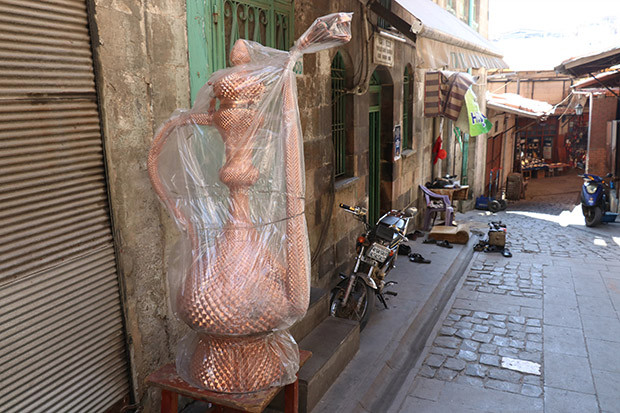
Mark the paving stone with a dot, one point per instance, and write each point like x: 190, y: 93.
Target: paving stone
x: 427, y: 371
x: 470, y: 381
x: 488, y: 349
x: 481, y: 329
x: 445, y: 374
x: 533, y: 322
x: 515, y: 327
x: 501, y: 341
x: 469, y: 345
x: 449, y: 342
x: 454, y: 317
x: 530, y: 390
x: 482, y: 337
x: 505, y: 375
x: 463, y: 333
x: 482, y: 315
x: 448, y: 352
x: 534, y: 330
x: 475, y: 370
x: 498, y: 324
x: 503, y: 386
x: 522, y: 366
x: 467, y: 355
x: 499, y: 331
x: 508, y: 351
x: 460, y: 311
x: 447, y: 331
x: 535, y: 337
x: 464, y: 325
x: 517, y: 335
x: 527, y: 355
x: 489, y: 360
x: 455, y: 364
x: 533, y: 380
x: 533, y: 346
x: 435, y: 360
x: 520, y: 344
x: 499, y: 317
x: 484, y: 289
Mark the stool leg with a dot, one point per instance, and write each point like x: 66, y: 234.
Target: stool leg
x: 169, y: 402
x: 291, y: 397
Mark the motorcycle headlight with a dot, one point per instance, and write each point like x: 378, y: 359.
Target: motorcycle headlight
x: 591, y: 188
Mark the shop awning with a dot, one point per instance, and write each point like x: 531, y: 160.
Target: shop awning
x: 580, y: 66
x: 518, y: 105
x: 444, y: 41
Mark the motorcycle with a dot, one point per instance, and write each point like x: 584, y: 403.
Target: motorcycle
x: 599, y: 199
x: 377, y: 249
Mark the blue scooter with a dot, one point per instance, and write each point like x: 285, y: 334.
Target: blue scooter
x: 599, y: 199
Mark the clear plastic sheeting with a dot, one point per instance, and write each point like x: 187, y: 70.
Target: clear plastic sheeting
x: 230, y: 172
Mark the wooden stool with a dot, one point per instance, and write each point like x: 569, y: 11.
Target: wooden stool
x: 172, y: 386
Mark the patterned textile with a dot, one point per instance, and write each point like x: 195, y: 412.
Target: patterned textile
x: 444, y: 93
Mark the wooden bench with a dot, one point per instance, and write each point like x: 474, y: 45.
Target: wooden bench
x: 172, y: 386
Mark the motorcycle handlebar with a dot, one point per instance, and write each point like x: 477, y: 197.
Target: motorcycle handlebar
x: 345, y: 206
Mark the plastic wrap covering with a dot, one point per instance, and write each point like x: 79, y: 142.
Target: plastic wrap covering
x: 231, y: 173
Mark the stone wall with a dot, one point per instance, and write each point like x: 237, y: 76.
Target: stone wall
x: 142, y: 77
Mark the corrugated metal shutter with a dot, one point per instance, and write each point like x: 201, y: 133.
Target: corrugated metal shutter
x: 61, y: 332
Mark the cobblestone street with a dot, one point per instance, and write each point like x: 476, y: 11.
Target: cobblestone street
x: 538, y: 332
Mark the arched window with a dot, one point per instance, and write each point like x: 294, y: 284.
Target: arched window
x: 338, y: 113
x: 407, y: 109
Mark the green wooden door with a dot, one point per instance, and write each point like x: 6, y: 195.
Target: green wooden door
x: 374, y: 150
x: 213, y: 26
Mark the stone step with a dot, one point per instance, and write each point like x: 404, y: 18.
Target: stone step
x: 318, y: 310
x: 333, y: 344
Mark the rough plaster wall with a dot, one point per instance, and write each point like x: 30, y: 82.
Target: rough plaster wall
x: 142, y: 77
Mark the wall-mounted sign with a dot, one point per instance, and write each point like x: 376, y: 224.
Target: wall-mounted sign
x: 397, y: 143
x: 383, y: 51
x: 299, y: 67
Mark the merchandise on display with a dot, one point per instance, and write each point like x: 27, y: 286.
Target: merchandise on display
x: 230, y: 172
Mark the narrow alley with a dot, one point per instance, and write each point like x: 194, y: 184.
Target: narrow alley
x: 536, y: 332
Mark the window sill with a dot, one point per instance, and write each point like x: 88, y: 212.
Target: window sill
x: 407, y: 153
x: 345, y: 182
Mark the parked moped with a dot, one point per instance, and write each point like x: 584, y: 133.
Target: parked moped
x: 599, y: 199
x: 377, y: 249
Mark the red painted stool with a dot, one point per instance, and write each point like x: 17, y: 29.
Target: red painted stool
x: 172, y: 386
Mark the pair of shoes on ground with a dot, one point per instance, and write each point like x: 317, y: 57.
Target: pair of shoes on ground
x: 442, y: 243
x: 415, y: 257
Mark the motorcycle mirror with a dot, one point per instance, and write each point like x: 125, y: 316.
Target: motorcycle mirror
x: 609, y: 175
x: 411, y: 211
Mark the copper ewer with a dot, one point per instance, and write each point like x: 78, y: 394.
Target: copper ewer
x: 243, y: 279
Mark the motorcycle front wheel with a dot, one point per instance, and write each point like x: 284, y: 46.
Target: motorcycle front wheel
x: 593, y: 215
x: 359, y: 305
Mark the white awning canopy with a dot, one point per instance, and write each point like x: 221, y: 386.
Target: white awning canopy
x: 444, y: 41
x: 518, y: 105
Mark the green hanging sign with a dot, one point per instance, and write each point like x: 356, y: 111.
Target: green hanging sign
x: 478, y: 123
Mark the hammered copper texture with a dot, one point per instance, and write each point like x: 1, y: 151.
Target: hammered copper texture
x: 236, y: 292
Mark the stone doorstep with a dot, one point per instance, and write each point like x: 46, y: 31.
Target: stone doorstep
x: 318, y: 310
x: 333, y: 344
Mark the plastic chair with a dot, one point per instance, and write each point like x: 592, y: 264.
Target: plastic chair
x: 435, y: 204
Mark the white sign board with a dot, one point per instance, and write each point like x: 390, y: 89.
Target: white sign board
x: 383, y: 51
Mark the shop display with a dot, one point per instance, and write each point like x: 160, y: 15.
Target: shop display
x: 230, y: 172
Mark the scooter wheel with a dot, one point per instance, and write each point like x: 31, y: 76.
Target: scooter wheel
x: 503, y: 204
x: 593, y: 215
x: 494, y: 206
